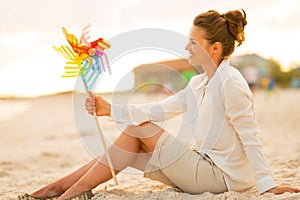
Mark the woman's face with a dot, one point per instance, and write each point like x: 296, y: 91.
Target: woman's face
x: 198, y: 47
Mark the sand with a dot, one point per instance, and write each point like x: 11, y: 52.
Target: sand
x: 39, y: 143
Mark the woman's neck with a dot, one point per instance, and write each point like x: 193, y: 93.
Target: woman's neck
x: 210, y: 68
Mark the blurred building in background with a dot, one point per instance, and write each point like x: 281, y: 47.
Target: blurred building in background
x: 173, y: 75
x: 269, y: 71
x: 257, y: 71
x: 165, y: 76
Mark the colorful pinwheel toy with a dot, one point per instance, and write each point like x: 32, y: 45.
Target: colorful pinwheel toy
x: 88, y: 60
x: 85, y: 59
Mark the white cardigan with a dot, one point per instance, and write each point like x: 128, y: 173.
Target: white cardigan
x: 218, y: 120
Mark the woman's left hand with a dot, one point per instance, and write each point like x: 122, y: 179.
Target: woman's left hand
x: 281, y: 190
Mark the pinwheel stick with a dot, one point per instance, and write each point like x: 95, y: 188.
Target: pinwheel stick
x: 103, y: 143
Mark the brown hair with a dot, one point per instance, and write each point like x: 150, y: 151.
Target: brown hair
x: 224, y: 28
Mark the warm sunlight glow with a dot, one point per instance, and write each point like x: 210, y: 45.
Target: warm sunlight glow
x: 14, y: 40
x: 30, y: 67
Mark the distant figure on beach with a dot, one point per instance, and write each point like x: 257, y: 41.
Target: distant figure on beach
x: 251, y: 75
x: 222, y: 152
x: 268, y: 83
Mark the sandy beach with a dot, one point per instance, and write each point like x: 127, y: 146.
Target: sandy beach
x: 40, y: 143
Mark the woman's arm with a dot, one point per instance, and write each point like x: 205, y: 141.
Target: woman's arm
x: 239, y: 106
x: 137, y: 114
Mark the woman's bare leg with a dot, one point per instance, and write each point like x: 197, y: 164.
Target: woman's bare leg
x: 123, y: 153
x: 64, y: 183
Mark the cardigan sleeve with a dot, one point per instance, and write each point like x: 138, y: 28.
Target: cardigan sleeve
x: 137, y: 114
x: 239, y: 108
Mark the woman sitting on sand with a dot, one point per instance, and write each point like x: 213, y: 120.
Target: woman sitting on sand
x: 223, y: 152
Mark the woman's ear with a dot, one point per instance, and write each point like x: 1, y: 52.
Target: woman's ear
x: 217, y: 48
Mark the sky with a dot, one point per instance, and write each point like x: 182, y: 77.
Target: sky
x: 29, y: 65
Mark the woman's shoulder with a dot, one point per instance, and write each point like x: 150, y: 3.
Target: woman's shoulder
x: 229, y: 72
x: 230, y: 78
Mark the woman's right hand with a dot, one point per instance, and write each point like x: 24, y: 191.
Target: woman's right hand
x: 98, y: 105
x: 281, y: 190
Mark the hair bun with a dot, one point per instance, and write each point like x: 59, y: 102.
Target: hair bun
x: 236, y: 21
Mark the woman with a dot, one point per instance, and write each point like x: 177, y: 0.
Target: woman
x: 222, y: 150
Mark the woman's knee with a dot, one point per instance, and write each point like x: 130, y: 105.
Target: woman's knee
x: 144, y: 130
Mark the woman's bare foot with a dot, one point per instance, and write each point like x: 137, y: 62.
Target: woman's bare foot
x: 48, y: 191
x: 74, y: 191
